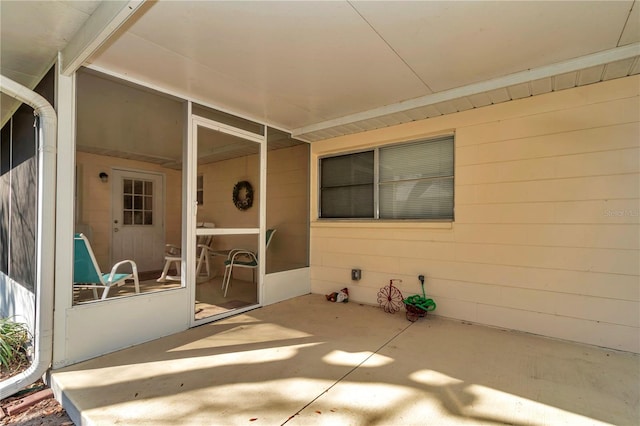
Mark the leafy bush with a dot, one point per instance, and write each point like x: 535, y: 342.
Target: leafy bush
x: 14, y: 337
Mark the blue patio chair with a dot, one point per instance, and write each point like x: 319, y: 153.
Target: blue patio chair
x: 242, y: 258
x: 86, y: 272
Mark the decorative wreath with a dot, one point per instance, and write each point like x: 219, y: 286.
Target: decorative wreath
x: 243, y: 195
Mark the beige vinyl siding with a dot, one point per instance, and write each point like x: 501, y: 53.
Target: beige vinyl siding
x: 546, y: 237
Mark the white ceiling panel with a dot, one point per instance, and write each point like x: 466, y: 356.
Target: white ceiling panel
x: 541, y: 86
x: 618, y: 69
x: 332, y: 133
x: 352, y: 128
x: 452, y: 44
x: 86, y: 7
x: 29, y: 46
x: 393, y: 119
x: 590, y: 75
x: 293, y: 52
x: 499, y: 95
x: 430, y: 111
x: 519, y: 91
x: 565, y: 81
x: 326, y: 68
x: 462, y: 104
x: 32, y: 34
x: 420, y: 113
x: 446, y: 107
x: 631, y: 33
x: 480, y: 100
x: 194, y: 80
x: 368, y: 124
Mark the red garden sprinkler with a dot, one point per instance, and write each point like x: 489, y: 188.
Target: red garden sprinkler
x: 390, y: 298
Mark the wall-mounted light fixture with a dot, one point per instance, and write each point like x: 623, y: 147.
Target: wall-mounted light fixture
x: 104, y: 177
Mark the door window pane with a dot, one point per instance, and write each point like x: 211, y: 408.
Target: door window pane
x: 137, y: 202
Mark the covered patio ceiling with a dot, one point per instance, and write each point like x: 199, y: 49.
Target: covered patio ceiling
x: 324, y: 69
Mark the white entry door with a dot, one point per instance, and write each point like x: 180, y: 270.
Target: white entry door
x: 138, y: 219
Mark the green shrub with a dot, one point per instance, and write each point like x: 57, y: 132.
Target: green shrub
x: 14, y: 337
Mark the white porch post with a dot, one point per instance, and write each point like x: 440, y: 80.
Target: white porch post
x: 64, y: 213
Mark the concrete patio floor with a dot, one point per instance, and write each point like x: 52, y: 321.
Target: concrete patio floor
x: 307, y: 361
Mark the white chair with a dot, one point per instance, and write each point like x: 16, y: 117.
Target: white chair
x: 173, y: 255
x: 241, y: 258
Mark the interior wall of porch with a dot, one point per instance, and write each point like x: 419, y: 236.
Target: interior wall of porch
x: 546, y: 237
x: 287, y: 186
x: 94, y: 200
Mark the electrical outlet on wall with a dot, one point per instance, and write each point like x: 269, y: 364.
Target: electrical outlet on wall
x: 356, y: 274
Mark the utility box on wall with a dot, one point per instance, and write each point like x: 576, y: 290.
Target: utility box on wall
x: 356, y: 274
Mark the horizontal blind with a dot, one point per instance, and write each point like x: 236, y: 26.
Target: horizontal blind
x: 422, y: 199
x: 417, y: 160
x: 416, y: 180
x: 347, y: 185
x: 345, y: 170
x: 348, y: 202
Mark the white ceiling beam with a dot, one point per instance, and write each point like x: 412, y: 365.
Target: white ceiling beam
x: 102, y: 23
x: 572, y: 65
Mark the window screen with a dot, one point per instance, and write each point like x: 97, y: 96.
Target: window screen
x: 414, y: 181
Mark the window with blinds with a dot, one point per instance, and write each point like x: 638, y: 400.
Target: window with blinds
x: 408, y: 181
x: 347, y: 186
